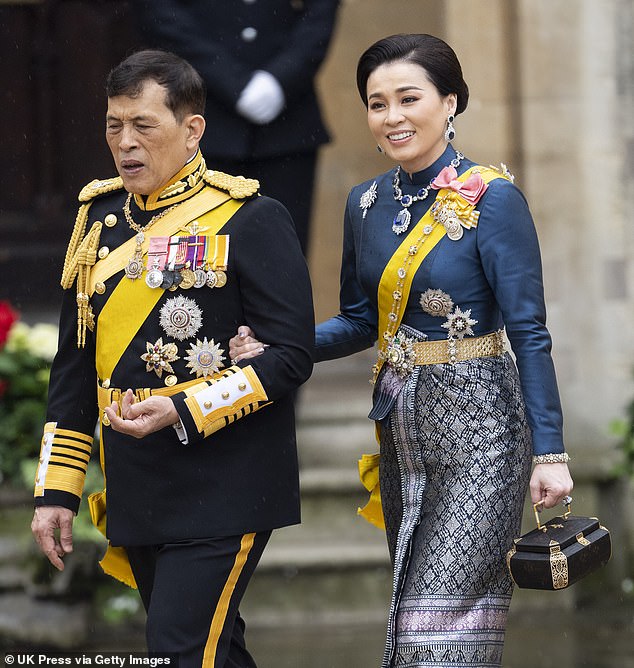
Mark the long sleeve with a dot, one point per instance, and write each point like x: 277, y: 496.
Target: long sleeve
x: 277, y: 303
x: 355, y: 327
x: 71, y: 416
x: 509, y: 250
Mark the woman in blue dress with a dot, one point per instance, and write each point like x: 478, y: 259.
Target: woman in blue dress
x: 441, y: 267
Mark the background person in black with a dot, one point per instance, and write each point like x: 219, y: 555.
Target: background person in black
x: 259, y: 59
x: 199, y: 455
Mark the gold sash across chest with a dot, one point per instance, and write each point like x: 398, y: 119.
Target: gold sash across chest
x: 411, y: 253
x: 390, y: 318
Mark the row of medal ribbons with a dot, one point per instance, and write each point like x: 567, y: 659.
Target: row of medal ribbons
x: 187, y: 262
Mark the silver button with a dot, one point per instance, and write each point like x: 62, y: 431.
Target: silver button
x: 249, y: 34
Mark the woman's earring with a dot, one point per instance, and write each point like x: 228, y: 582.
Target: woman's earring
x: 379, y: 149
x: 450, y: 132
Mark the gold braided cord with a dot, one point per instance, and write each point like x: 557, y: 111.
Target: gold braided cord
x: 70, y: 262
x: 237, y: 186
x: 85, y: 258
x: 100, y: 187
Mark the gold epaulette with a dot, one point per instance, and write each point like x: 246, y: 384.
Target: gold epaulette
x: 237, y: 186
x: 100, y: 187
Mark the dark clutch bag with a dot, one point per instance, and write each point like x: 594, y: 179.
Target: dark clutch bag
x: 558, y: 553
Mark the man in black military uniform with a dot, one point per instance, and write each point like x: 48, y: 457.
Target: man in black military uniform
x: 198, y: 453
x: 259, y: 59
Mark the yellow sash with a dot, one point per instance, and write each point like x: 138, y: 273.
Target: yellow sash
x: 123, y: 314
x: 369, y: 464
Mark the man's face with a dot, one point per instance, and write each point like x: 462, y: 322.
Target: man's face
x: 147, y: 143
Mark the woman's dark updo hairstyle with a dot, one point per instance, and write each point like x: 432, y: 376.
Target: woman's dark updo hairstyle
x: 436, y: 57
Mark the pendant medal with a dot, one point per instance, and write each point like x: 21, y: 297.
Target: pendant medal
x: 188, y: 279
x: 201, y: 278
x: 154, y: 278
x: 212, y: 279
x: 221, y: 279
x: 134, y: 268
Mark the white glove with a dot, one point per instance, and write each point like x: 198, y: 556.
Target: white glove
x: 262, y: 98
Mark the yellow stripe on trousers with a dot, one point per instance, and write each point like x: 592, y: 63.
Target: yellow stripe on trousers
x: 218, y: 621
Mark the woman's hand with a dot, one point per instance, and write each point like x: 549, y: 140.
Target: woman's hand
x: 244, y: 345
x: 550, y: 483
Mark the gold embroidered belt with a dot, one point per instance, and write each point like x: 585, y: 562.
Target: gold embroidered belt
x: 403, y: 354
x: 106, y: 395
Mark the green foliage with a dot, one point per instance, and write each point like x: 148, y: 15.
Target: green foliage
x: 25, y: 364
x: 624, y: 430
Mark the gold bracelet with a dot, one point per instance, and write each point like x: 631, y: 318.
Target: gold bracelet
x: 552, y: 458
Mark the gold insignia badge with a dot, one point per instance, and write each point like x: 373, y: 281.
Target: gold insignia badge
x: 159, y: 356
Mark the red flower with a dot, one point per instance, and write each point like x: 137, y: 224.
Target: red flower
x: 7, y: 317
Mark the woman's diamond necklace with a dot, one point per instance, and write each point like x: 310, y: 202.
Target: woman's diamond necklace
x: 403, y: 218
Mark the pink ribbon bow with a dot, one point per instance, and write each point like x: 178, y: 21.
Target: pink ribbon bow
x: 471, y: 190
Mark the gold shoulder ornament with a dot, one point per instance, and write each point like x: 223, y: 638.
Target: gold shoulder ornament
x: 238, y: 187
x: 81, y: 254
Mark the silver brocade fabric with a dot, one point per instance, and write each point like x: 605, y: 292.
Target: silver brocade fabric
x: 455, y: 464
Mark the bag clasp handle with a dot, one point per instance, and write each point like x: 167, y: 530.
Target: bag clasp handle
x: 566, y: 501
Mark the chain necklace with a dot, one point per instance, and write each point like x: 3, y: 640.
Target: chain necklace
x: 403, y: 218
x: 134, y: 268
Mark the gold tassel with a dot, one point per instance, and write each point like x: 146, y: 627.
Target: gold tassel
x: 85, y: 257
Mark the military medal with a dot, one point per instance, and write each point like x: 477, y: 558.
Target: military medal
x: 134, y: 268
x: 201, y: 278
x: 205, y: 358
x: 159, y: 356
x: 212, y: 279
x: 189, y: 278
x: 221, y: 279
x: 180, y: 317
x: 154, y: 278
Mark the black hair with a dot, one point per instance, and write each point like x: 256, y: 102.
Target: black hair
x: 186, y: 91
x: 436, y: 57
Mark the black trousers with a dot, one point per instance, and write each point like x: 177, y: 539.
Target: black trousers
x: 289, y: 179
x: 191, y: 591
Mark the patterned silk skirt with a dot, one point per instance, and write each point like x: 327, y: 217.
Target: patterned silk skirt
x: 455, y: 463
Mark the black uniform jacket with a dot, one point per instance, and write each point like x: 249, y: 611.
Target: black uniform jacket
x: 227, y: 41
x: 231, y: 466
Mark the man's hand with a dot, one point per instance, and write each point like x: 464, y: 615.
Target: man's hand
x: 142, y: 418
x: 46, y: 521
x: 550, y: 483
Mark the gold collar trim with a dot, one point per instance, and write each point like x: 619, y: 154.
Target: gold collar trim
x: 187, y: 182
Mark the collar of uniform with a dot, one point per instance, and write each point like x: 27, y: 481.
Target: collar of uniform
x: 181, y: 186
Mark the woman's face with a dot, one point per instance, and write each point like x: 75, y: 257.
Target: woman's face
x: 407, y: 115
